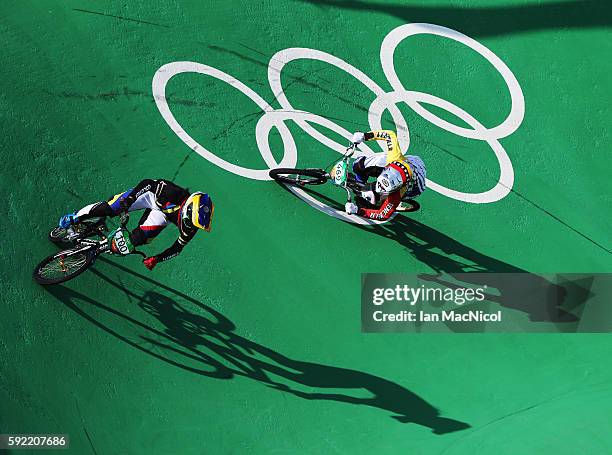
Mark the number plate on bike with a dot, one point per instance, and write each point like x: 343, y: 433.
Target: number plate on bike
x: 339, y: 172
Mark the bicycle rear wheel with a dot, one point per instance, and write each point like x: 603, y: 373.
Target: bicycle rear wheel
x: 300, y: 177
x: 62, y: 267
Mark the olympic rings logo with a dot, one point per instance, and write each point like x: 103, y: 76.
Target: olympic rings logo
x: 276, y: 118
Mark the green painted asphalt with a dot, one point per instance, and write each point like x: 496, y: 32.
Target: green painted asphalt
x: 249, y: 341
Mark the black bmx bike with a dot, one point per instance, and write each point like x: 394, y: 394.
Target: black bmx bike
x: 82, y: 243
x: 338, y: 175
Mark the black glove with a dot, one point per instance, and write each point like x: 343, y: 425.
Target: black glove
x: 125, y: 203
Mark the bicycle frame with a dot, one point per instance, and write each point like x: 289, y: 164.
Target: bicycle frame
x: 101, y: 246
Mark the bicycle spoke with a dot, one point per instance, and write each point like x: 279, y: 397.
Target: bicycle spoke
x: 61, y: 267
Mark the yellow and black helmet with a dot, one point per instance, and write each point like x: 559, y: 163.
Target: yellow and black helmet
x: 198, y: 211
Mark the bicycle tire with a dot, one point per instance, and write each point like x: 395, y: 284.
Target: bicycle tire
x: 86, y: 257
x: 303, y: 176
x: 57, y: 235
x: 86, y: 228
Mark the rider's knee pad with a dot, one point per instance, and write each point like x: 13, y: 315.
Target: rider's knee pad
x: 99, y: 209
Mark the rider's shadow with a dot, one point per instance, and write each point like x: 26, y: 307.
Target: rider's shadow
x: 195, y: 337
x: 458, y: 265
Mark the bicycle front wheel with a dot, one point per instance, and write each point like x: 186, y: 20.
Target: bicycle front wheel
x: 299, y: 177
x: 63, y: 266
x: 84, y: 229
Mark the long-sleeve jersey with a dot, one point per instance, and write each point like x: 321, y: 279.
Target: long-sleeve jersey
x: 394, y: 154
x: 168, y: 198
x: 393, y: 149
x: 161, y: 199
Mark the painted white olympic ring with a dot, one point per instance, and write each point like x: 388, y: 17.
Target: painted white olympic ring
x: 517, y: 111
x: 166, y: 72
x: 276, y: 118
x: 506, y: 176
x: 281, y: 58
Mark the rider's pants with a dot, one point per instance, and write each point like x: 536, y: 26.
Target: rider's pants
x: 369, y: 166
x: 152, y: 222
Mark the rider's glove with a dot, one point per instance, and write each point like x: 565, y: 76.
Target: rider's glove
x: 358, y: 137
x: 67, y: 220
x: 351, y: 208
x: 125, y: 203
x: 369, y: 196
x: 150, y: 262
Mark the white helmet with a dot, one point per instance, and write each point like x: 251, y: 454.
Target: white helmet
x: 391, y: 179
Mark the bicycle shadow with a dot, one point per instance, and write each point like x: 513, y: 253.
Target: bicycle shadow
x: 458, y: 265
x: 197, y: 338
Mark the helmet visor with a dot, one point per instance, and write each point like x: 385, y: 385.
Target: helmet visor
x: 198, y: 211
x: 202, y: 212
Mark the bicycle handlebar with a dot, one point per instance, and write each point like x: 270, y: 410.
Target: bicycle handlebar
x: 351, y: 148
x: 124, y: 218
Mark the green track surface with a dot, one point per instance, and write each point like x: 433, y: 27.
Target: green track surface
x: 249, y: 342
